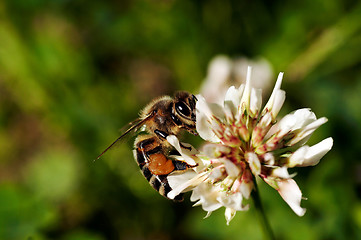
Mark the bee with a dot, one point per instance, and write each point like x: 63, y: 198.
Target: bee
x: 162, y: 117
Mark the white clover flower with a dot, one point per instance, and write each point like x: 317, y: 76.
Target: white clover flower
x: 245, y: 141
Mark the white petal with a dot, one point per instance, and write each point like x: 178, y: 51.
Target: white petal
x: 255, y: 101
x: 269, y: 159
x: 278, y: 103
x: 265, y: 120
x: 207, y: 215
x: 304, y: 116
x: 177, y: 179
x: 229, y: 214
x: 276, y: 99
x: 212, y: 150
x: 231, y: 168
x: 306, y: 132
x: 231, y: 100
x: 185, y: 153
x: 182, y: 182
x: 204, y: 129
x: 246, y: 188
x: 233, y: 95
x: 292, y: 121
x: 199, y: 191
x: 202, y: 106
x: 240, y: 92
x: 253, y: 162
x: 204, y: 121
x: 216, y: 173
x: 211, y: 206
x: 310, y: 156
x: 281, y: 172
x: 291, y: 193
x: 233, y: 201
x: 207, y: 195
x: 297, y: 119
x: 217, y: 111
x: 247, y: 91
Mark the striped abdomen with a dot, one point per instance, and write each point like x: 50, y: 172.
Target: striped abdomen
x: 155, y: 165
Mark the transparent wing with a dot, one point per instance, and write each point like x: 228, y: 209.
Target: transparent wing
x: 135, y: 125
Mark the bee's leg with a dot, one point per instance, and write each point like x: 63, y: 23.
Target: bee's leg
x: 161, y: 134
x: 182, y: 166
x: 182, y: 146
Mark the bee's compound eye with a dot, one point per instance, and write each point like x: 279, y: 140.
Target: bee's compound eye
x: 182, y: 109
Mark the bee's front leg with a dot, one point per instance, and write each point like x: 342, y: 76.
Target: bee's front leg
x: 161, y: 134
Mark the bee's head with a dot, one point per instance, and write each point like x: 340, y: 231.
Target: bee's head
x: 184, y: 111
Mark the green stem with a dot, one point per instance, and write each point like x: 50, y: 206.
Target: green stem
x: 267, y: 230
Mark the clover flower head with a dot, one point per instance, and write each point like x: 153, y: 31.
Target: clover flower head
x: 243, y: 141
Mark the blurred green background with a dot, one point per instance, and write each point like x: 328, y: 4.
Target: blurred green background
x: 72, y: 73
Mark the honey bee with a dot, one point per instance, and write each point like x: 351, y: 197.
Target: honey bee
x: 162, y: 117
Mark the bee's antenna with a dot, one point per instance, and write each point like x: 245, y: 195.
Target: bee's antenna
x: 135, y: 126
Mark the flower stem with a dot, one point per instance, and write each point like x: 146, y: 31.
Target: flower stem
x: 267, y: 230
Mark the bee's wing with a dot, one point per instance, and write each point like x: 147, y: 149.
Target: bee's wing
x: 135, y: 125
x: 132, y: 126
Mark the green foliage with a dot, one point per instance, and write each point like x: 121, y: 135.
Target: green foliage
x: 72, y: 73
